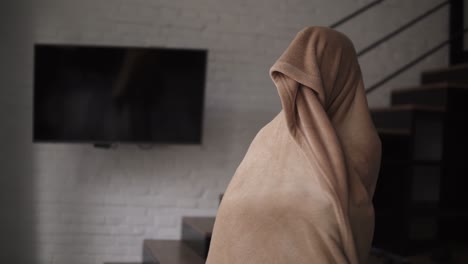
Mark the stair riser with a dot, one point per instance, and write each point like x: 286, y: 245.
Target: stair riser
x: 458, y: 75
x: 454, y: 228
x: 392, y: 174
x: 457, y: 102
x: 199, y: 242
x: 123, y: 263
x: 431, y: 97
x: 393, y: 120
x: 396, y: 147
x: 169, y: 252
x: 428, y: 137
x: 426, y: 129
x: 404, y: 184
x: 409, y: 209
x: 404, y: 235
x: 451, y: 99
x: 408, y: 234
x: 456, y: 164
x: 148, y: 257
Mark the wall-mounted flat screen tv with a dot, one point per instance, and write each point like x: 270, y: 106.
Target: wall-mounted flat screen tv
x: 118, y: 94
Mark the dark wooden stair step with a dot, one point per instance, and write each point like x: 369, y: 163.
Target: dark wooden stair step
x: 169, y: 252
x: 196, y: 233
x: 403, y: 184
x: 396, y: 143
x: 451, y: 97
x: 402, y: 234
x: 458, y: 74
x: 403, y: 116
x: 424, y: 122
x: 123, y: 263
x: 406, y: 231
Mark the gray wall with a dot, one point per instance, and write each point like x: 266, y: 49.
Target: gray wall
x: 16, y: 157
x: 88, y: 205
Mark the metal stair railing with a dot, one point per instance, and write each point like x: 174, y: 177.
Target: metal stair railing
x: 414, y: 62
x: 355, y: 13
x: 401, y: 29
x: 393, y: 34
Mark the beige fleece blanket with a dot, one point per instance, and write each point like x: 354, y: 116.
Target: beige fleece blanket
x: 303, y: 193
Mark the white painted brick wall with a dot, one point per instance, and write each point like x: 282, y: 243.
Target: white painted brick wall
x: 94, y: 205
x: 16, y: 208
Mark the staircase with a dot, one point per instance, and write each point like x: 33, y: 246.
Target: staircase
x: 421, y: 197
x: 192, y: 249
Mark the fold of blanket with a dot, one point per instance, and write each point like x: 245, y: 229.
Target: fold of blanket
x: 303, y: 192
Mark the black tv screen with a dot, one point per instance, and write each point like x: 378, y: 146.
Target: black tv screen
x: 118, y: 94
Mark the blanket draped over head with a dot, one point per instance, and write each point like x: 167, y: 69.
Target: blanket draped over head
x: 303, y: 193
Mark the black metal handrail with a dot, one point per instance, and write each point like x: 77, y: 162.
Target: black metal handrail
x: 415, y: 61
x: 402, y: 28
x: 355, y: 13
x: 394, y: 33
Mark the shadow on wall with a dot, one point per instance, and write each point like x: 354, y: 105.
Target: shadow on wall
x: 16, y: 162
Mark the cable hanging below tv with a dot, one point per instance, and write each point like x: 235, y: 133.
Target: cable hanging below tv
x: 106, y: 95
